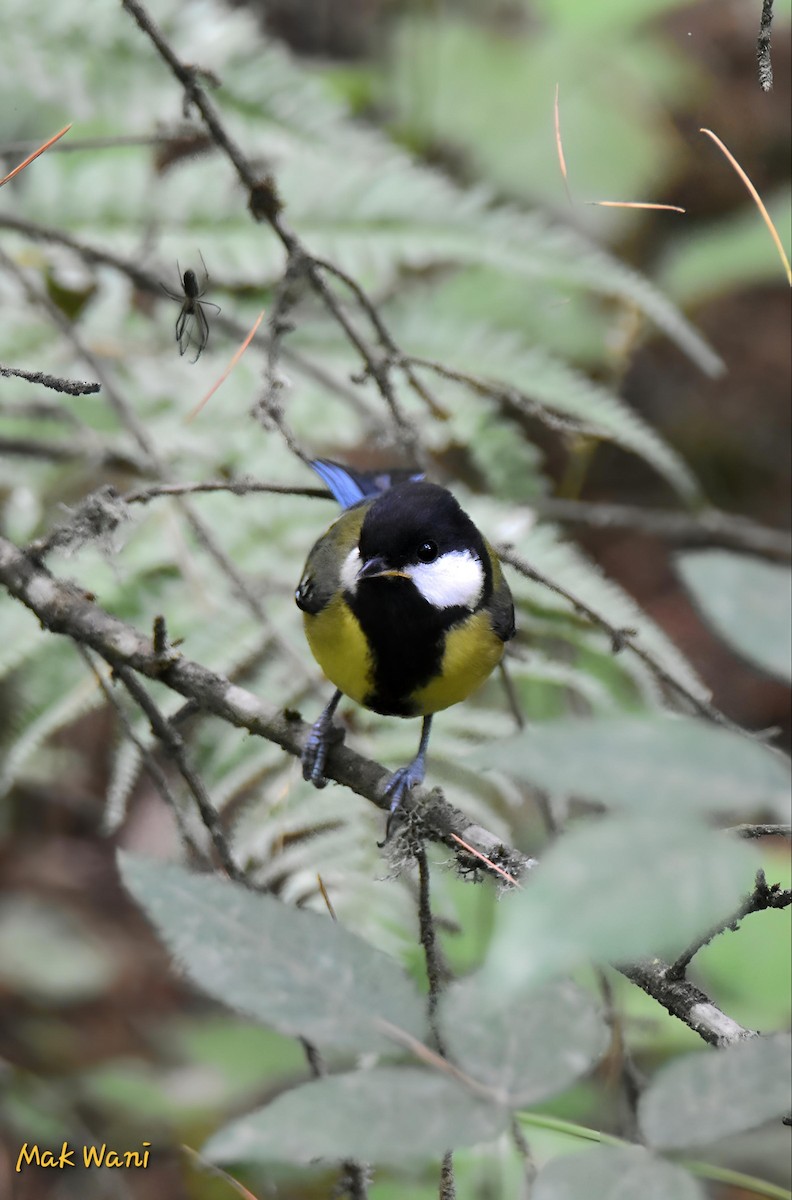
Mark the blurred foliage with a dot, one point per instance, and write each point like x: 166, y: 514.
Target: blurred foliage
x: 466, y: 272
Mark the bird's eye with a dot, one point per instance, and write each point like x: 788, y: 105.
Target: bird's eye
x: 427, y: 552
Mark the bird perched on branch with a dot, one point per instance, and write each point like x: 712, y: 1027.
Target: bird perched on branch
x: 405, y: 607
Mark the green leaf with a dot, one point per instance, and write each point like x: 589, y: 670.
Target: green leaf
x: 385, y: 1115
x: 712, y: 1095
x: 735, y: 252
x: 545, y: 380
x: 615, y: 890
x: 614, y: 1173
x: 748, y: 601
x: 528, y: 1047
x: 653, y: 764
x: 296, y: 971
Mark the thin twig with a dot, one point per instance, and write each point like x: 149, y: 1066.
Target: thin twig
x: 511, y: 398
x: 447, y: 1182
x: 237, y: 487
x: 623, y: 639
x: 762, y: 897
x: 71, y: 387
x: 353, y: 1182
x: 436, y: 975
x: 384, y: 336
x: 129, y: 419
x: 158, y: 776
x: 760, y: 831
x: 524, y: 1150
x: 763, y: 47
x: 188, y: 77
x: 39, y: 410
x: 74, y: 451
x: 436, y: 972
x: 354, y: 1178
x: 265, y: 205
x: 376, y: 369
x: 629, y: 1076
x: 95, y: 519
x: 173, y: 746
x: 267, y: 408
x: 711, y: 527
x: 147, y: 282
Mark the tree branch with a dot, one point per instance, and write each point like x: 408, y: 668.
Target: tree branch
x: 760, y: 831
x: 686, y: 1002
x: 763, y: 47
x: 265, y: 205
x: 145, y: 281
x: 63, y: 608
x: 74, y: 451
x: 623, y: 639
x: 148, y: 759
x: 763, y: 896
x: 173, y: 745
x: 71, y: 387
x: 707, y: 528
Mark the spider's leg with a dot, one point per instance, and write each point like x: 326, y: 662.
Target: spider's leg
x: 203, y: 331
x: 182, y: 332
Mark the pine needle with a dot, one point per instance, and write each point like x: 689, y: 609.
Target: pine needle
x: 218, y: 1172
x: 560, y: 148
x: 637, y: 204
x: 488, y: 861
x: 205, y: 399
x: 757, y: 200
x: 35, y: 155
x: 326, y: 897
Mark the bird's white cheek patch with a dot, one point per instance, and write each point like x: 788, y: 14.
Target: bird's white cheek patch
x: 454, y: 580
x: 349, y: 570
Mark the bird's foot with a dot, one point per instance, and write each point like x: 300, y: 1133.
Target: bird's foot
x: 400, y: 783
x: 324, y: 734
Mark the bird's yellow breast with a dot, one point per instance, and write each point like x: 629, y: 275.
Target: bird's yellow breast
x: 471, y: 652
x: 339, y: 646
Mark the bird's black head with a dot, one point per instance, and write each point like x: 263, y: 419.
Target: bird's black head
x: 418, y: 532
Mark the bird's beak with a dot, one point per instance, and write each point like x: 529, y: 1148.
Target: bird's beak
x: 377, y: 568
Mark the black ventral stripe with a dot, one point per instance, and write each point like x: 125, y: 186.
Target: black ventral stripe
x: 406, y: 636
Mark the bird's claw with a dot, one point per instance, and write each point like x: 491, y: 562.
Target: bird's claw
x: 400, y: 783
x: 324, y: 734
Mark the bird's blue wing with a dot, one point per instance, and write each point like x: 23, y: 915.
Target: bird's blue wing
x: 349, y: 487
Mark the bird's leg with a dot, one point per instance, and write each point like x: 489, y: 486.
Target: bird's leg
x: 317, y: 744
x: 406, y: 778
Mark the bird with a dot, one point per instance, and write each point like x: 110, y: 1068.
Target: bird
x: 405, y: 608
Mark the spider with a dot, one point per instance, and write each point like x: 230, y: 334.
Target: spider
x: 192, y: 324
